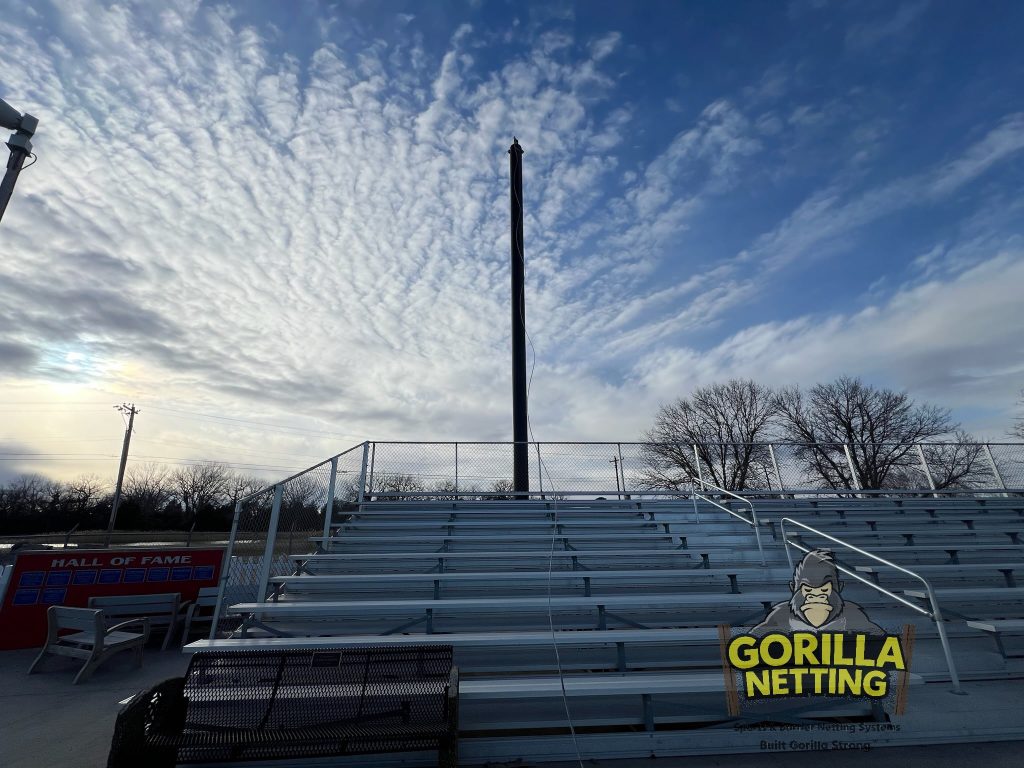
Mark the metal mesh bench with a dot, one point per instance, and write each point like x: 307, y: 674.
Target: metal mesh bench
x: 287, y: 704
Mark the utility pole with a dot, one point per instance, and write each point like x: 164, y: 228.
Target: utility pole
x: 520, y: 423
x: 618, y: 488
x: 131, y: 410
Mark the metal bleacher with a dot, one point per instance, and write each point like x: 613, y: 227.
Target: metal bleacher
x: 631, y: 593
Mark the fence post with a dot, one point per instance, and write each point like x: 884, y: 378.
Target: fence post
x: 540, y: 472
x: 329, y: 506
x: 369, y: 477
x: 700, y: 472
x: 775, y: 465
x: 268, y: 553
x: 995, y: 469
x: 225, y: 570
x: 622, y: 469
x: 456, y: 471
x: 927, y: 471
x: 362, y: 474
x: 854, y: 480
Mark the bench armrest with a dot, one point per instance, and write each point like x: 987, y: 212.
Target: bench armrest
x: 144, y: 621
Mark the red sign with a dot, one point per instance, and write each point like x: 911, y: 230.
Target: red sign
x: 71, y: 576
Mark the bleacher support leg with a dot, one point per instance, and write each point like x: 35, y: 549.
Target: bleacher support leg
x: 648, y: 711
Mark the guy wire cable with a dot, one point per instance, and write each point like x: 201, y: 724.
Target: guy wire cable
x: 554, y: 523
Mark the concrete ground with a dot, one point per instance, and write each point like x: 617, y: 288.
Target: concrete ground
x: 46, y: 722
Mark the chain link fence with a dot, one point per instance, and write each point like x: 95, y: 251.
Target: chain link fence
x: 485, y: 470
x: 277, y: 522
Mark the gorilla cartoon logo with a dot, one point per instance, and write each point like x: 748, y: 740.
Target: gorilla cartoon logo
x: 817, y: 604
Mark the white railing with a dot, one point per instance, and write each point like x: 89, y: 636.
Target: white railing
x: 935, y: 614
x: 753, y: 521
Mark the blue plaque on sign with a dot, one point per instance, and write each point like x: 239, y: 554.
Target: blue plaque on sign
x: 181, y: 574
x: 26, y: 596
x: 202, y: 572
x: 31, y: 579
x: 134, y: 575
x: 84, y: 577
x: 110, y: 576
x: 158, y: 574
x: 58, y: 578
x: 53, y: 596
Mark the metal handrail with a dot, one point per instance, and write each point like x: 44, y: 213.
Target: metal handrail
x: 225, y: 575
x: 935, y: 614
x: 319, y: 464
x: 753, y: 512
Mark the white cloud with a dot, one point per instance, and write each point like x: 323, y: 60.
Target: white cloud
x: 604, y: 46
x: 950, y: 341
x: 866, y: 35
x: 322, y: 241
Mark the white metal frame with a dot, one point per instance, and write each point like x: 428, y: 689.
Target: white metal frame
x: 935, y: 614
x: 753, y: 512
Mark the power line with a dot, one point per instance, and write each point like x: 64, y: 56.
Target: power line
x: 198, y: 415
x: 181, y: 411
x: 47, y: 410
x: 272, y: 454
x: 48, y: 402
x: 83, y: 458
x: 58, y: 439
x: 55, y: 456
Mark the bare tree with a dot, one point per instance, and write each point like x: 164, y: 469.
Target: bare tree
x: 958, y: 464
x: 148, y: 488
x: 728, y: 423
x: 86, y: 491
x: 239, y: 486
x: 394, y: 482
x: 500, y: 490
x: 1018, y: 425
x: 880, y: 426
x: 27, y: 504
x: 200, y: 486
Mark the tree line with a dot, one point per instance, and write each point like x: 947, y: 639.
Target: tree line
x: 719, y: 432
x: 200, y: 497
x: 841, y: 435
x: 153, y: 497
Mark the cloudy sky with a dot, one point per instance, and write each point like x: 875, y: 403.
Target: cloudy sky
x: 282, y: 228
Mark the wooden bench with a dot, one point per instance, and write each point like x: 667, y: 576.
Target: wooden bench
x: 93, y: 640
x: 296, y: 705
x: 162, y: 610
